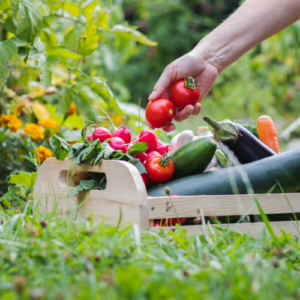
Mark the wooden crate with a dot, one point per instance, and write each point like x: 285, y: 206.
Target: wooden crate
x: 126, y: 192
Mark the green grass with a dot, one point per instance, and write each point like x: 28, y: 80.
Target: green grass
x: 60, y: 259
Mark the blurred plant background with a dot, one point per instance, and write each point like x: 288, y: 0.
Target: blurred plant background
x: 63, y: 62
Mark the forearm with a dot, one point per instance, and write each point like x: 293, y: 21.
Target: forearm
x: 253, y: 22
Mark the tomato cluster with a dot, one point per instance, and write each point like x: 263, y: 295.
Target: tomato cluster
x: 161, y: 112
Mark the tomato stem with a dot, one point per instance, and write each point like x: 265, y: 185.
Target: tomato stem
x: 189, y: 83
x: 165, y: 160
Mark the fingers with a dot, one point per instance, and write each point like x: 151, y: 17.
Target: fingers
x: 197, y: 109
x: 169, y: 127
x: 164, y: 82
x: 183, y: 114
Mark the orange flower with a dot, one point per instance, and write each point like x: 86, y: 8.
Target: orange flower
x: 49, y: 124
x: 35, y: 131
x: 42, y: 153
x: 72, y: 109
x: 10, y: 121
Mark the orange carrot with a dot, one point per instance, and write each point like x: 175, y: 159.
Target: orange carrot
x: 267, y: 132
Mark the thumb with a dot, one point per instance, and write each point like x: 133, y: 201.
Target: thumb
x: 164, y: 82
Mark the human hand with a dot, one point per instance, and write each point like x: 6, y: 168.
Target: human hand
x: 192, y: 64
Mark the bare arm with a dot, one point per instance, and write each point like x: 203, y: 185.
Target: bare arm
x: 252, y: 23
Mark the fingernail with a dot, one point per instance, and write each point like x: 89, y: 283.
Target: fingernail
x: 152, y: 95
x: 190, y: 110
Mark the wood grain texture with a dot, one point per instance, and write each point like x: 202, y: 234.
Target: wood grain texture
x: 253, y: 229
x: 125, y: 190
x: 222, y: 205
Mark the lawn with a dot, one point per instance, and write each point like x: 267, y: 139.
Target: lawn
x: 53, y: 257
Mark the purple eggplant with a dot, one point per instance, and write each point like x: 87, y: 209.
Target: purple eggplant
x: 245, y: 146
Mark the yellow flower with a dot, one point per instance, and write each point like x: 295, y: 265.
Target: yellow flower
x: 49, y: 124
x: 10, y: 121
x: 35, y: 131
x: 42, y: 153
x: 72, y: 109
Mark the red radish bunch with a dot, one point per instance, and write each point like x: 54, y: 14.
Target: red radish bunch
x: 142, y: 156
x: 151, y: 154
x: 89, y: 137
x: 150, y: 138
x: 101, y: 134
x: 118, y: 144
x: 122, y: 133
x: 164, y: 149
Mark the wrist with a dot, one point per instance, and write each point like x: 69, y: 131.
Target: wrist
x: 215, y: 54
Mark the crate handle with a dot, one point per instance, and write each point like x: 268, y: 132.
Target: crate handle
x: 125, y: 188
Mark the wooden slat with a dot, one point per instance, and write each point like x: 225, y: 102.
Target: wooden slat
x: 221, y: 205
x: 254, y: 229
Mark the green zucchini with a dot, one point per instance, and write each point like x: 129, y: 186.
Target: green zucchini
x: 263, y: 175
x: 193, y: 157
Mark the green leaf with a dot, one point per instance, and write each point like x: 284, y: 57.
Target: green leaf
x: 137, y: 163
x: 10, y: 195
x: 75, y: 149
x: 20, y: 40
x: 46, y: 72
x: 60, y: 148
x: 67, y: 96
x: 88, y: 153
x: 49, y: 39
x: 10, y: 25
x: 103, y: 90
x: 132, y: 34
x: 54, y: 4
x: 64, y: 53
x: 107, y: 5
x: 102, y: 20
x: 137, y: 148
x: 87, y: 9
x: 72, y: 8
x: 88, y: 43
x: 27, y: 17
x: 85, y: 185
x: 23, y: 178
x: 70, y: 40
x: 8, y: 49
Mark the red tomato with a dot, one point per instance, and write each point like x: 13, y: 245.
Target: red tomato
x: 145, y: 179
x: 174, y: 221
x: 160, y: 113
x: 184, y: 92
x: 160, y: 169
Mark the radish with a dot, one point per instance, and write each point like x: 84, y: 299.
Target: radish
x: 141, y: 156
x: 151, y: 154
x: 101, y: 134
x: 145, y: 179
x: 123, y: 133
x: 159, y: 144
x: 128, y: 146
x: 118, y: 144
x: 164, y: 149
x: 150, y: 138
x: 89, y: 137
